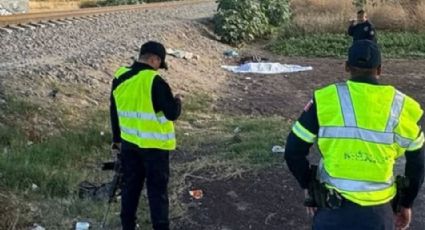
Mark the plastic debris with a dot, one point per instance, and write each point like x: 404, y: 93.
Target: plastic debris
x: 196, y: 193
x: 4, y: 12
x: 82, y: 226
x: 34, y: 187
x: 278, y: 149
x: 231, y: 53
x: 37, y: 227
x: 237, y: 130
x: 181, y: 54
x: 102, y: 133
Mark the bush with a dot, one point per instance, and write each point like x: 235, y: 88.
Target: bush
x: 277, y: 11
x: 240, y: 21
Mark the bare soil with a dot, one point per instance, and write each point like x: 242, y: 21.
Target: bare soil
x: 266, y: 200
x: 272, y: 199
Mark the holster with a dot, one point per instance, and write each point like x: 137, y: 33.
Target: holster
x: 319, y: 195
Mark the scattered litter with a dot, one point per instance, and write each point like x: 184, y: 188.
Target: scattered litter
x: 53, y: 93
x: 4, y: 12
x: 186, y: 134
x: 253, y: 59
x: 33, y: 208
x: 87, y: 190
x: 197, y: 194
x: 232, y: 195
x: 82, y: 226
x: 278, y: 149
x: 37, y: 227
x: 231, y: 53
x: 237, y: 130
x: 269, y: 218
x: 29, y: 143
x: 34, y: 187
x: 102, y: 133
x: 248, y: 78
x: 266, y: 68
x: 181, y: 54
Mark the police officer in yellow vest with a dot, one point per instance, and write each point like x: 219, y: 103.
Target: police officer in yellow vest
x: 361, y: 128
x: 142, y: 110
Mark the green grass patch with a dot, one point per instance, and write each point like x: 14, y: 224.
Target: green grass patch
x: 246, y: 140
x: 210, y: 144
x: 55, y: 165
x: 393, y: 44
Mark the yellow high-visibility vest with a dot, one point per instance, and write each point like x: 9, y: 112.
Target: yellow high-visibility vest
x: 139, y: 124
x: 364, y: 128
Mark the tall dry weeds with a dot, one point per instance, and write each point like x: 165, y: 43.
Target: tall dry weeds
x: 334, y: 15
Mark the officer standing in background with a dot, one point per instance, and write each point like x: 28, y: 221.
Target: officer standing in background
x: 142, y: 110
x: 361, y: 28
x: 361, y: 128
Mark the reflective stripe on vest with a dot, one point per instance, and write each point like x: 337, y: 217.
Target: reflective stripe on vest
x: 146, y: 135
x: 143, y: 116
x: 303, y: 133
x: 360, y: 144
x: 351, y: 131
x: 395, y: 112
x: 139, y: 123
x: 364, y: 135
x: 346, y: 105
x: 351, y: 185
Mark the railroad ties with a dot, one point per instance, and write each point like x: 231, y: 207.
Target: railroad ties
x: 46, y: 23
x: 30, y: 22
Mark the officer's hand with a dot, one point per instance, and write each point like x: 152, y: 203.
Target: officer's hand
x: 310, y: 210
x: 403, y: 218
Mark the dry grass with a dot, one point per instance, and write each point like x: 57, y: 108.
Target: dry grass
x: 333, y: 15
x: 13, y: 213
x: 48, y: 5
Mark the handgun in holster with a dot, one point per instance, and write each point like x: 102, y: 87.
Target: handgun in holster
x: 402, y: 183
x: 319, y: 196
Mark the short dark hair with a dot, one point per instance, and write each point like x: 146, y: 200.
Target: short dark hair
x: 361, y: 12
x: 361, y: 72
x: 146, y: 56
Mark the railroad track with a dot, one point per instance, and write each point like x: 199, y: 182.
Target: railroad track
x: 22, y: 22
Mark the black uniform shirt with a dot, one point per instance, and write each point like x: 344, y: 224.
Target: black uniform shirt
x: 162, y: 98
x: 297, y: 150
x: 364, y: 30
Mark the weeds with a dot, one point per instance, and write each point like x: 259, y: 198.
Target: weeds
x: 393, y: 44
x: 45, y: 174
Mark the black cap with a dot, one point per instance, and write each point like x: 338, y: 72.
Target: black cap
x: 364, y: 54
x: 156, y: 48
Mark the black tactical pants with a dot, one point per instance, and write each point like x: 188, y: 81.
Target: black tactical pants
x: 140, y: 165
x: 351, y: 216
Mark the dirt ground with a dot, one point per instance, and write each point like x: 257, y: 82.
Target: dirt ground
x: 266, y: 200
x: 272, y: 199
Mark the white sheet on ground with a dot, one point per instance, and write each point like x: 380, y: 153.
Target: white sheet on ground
x: 266, y: 68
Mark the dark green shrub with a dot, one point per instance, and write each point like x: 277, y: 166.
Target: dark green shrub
x: 277, y: 11
x: 239, y: 21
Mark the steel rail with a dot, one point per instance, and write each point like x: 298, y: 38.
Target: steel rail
x: 18, y: 19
